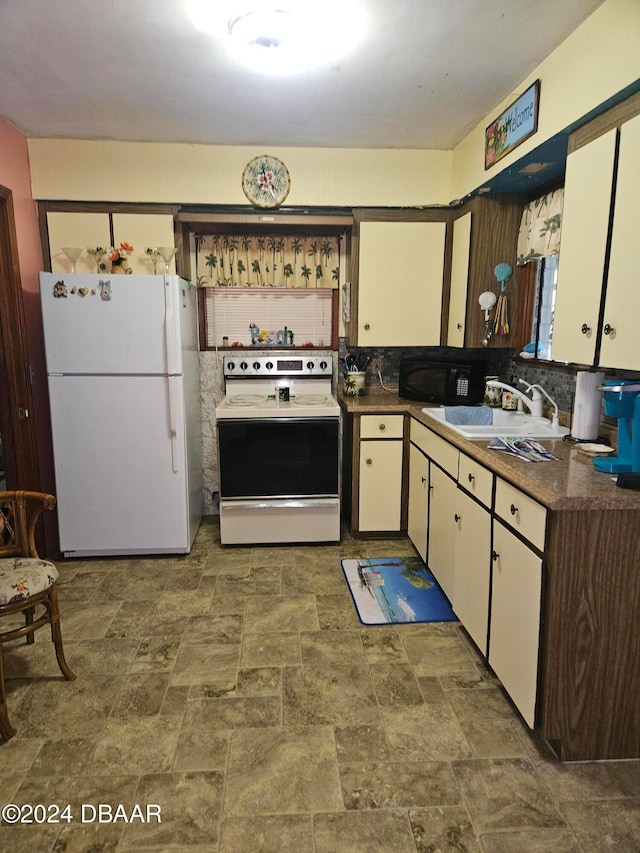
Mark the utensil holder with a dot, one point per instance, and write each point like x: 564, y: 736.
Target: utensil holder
x: 354, y: 384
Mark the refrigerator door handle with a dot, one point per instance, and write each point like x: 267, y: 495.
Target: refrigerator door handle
x: 169, y: 331
x: 173, y: 428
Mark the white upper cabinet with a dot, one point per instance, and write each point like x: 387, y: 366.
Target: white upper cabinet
x: 459, y: 280
x: 620, y: 346
x: 399, y: 285
x: 581, y: 264
x: 142, y: 231
x: 597, y: 263
x: 81, y: 230
x: 78, y: 230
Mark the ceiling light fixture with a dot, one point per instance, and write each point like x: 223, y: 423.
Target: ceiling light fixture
x: 272, y: 28
x: 282, y: 36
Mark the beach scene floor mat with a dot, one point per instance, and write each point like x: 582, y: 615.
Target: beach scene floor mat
x: 389, y: 590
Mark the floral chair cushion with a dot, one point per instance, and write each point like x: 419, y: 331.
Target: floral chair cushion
x: 22, y: 577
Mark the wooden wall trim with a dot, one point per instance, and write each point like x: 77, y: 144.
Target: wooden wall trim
x: 15, y: 354
x: 614, y: 117
x: 402, y: 214
x: 446, y: 281
x: 220, y: 222
x: 104, y: 207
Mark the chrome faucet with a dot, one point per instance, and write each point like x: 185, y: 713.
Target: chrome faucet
x: 536, y: 390
x: 533, y: 403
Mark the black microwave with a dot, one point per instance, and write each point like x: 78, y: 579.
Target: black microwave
x: 449, y: 383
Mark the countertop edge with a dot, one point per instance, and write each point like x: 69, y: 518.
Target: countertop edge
x: 573, y: 485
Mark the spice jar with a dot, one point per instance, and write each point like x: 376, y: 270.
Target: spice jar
x: 509, y: 401
x: 492, y: 396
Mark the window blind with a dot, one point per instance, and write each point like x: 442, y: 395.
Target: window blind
x: 230, y: 311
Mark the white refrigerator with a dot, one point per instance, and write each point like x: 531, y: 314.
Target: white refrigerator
x: 122, y: 365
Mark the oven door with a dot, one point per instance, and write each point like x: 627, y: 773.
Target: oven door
x: 279, y: 457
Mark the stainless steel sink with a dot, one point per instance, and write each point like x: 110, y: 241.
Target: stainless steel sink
x: 504, y: 423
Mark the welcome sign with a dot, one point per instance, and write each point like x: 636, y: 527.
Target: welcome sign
x: 517, y: 123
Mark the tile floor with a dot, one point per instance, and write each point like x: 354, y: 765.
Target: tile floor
x: 237, y: 690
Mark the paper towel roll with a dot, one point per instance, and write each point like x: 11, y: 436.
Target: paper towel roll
x: 587, y: 406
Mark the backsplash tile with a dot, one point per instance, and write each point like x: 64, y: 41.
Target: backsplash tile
x: 497, y: 360
x: 558, y: 381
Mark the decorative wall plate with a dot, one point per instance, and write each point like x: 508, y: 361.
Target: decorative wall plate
x: 266, y: 181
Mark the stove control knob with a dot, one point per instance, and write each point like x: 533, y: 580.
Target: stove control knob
x: 309, y: 365
x: 231, y: 365
x: 323, y: 365
x: 256, y: 365
x: 269, y: 365
x: 243, y: 365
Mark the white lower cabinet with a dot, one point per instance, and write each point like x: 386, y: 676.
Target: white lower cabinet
x: 472, y: 568
x: 418, y: 500
x: 442, y: 528
x: 515, y: 618
x: 495, y: 591
x: 380, y: 485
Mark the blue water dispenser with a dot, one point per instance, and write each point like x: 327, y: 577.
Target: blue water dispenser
x: 622, y: 401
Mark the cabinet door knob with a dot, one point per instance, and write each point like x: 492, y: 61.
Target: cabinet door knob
x: 610, y: 331
x: 369, y: 461
x: 366, y: 327
x: 513, y: 509
x: 382, y: 427
x: 586, y: 330
x: 457, y: 517
x: 471, y: 478
x: 495, y: 556
x: 423, y: 479
x: 458, y: 326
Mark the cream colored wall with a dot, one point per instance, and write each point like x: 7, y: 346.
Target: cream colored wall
x: 596, y: 61
x: 82, y: 170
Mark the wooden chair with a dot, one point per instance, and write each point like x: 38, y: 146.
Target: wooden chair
x: 26, y: 582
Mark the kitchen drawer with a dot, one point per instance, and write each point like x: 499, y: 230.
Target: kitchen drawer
x: 419, y: 435
x: 475, y: 479
x: 521, y: 513
x: 381, y: 426
x: 436, y: 448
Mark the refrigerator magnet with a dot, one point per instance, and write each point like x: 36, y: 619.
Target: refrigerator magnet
x: 83, y: 291
x: 60, y: 290
x: 106, y: 291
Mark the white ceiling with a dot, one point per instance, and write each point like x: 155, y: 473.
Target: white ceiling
x: 425, y: 73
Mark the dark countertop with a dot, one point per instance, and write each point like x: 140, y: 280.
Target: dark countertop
x: 570, y: 483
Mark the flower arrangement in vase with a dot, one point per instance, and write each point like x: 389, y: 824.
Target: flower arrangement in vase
x: 116, y: 256
x: 119, y: 258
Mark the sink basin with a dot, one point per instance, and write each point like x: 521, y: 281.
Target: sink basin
x: 504, y: 423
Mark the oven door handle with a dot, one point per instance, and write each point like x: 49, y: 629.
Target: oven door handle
x: 322, y: 504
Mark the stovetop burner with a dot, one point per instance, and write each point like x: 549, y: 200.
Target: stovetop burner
x: 262, y: 406
x: 253, y: 388
x: 246, y: 400
x: 311, y: 400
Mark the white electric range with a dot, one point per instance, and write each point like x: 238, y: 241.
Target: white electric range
x: 279, y: 449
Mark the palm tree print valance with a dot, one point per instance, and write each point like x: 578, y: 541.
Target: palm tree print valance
x: 540, y: 228
x: 249, y: 260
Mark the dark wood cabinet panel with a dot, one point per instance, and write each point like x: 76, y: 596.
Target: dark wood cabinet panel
x: 590, y: 661
x: 494, y: 239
